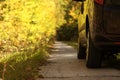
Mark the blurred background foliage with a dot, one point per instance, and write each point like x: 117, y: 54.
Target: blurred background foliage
x: 69, y: 30
x: 28, y: 27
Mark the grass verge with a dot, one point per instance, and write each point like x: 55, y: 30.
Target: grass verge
x: 72, y: 43
x: 22, y: 66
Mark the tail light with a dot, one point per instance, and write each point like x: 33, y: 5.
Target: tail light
x: 118, y: 43
x: 99, y: 2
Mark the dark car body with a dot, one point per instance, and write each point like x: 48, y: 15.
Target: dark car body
x: 99, y: 30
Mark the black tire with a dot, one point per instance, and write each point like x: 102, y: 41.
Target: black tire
x: 81, y: 51
x: 93, y: 55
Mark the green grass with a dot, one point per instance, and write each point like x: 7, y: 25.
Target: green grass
x: 118, y: 56
x: 72, y: 43
x: 22, y: 66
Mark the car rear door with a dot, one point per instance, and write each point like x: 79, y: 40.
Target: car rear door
x: 111, y: 16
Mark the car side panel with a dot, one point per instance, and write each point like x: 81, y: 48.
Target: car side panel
x: 95, y: 13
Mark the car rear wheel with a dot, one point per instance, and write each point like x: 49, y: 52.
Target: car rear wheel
x: 93, y: 55
x: 81, y: 51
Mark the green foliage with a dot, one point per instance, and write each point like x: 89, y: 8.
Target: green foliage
x: 67, y: 33
x: 72, y: 43
x: 27, y: 27
x: 60, y: 12
x: 69, y: 30
x: 23, y: 66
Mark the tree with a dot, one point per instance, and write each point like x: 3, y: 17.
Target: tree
x: 68, y: 31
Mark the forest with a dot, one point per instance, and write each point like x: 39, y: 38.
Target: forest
x: 28, y: 28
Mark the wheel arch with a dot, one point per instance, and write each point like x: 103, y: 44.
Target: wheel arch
x: 87, y: 25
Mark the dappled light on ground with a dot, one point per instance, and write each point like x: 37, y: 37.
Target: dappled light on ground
x: 64, y: 65
x: 61, y: 56
x: 64, y: 51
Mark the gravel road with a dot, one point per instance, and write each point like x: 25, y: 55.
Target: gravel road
x: 63, y: 65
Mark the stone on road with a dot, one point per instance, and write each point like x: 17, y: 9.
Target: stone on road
x: 64, y: 65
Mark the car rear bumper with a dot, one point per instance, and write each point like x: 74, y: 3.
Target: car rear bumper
x: 107, y: 42
x: 108, y: 47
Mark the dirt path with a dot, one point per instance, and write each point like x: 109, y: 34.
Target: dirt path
x: 63, y: 65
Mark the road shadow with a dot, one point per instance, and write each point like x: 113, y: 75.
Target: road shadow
x: 111, y: 62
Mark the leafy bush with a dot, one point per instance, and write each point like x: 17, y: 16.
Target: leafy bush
x: 26, y: 29
x: 25, y: 25
x: 67, y: 33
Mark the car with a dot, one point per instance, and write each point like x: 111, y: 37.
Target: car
x: 99, y: 30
